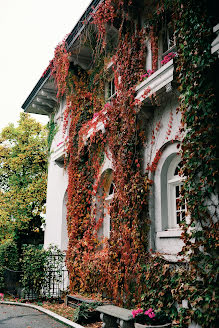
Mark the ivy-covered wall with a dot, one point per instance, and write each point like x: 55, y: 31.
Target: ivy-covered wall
x: 122, y: 267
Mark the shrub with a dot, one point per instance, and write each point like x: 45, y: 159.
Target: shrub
x: 85, y: 312
x: 8, y: 260
x: 33, y: 268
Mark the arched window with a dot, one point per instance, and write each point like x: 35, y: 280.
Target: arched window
x: 165, y: 210
x: 176, y: 207
x: 105, y: 195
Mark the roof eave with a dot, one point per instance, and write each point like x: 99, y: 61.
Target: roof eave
x: 72, y: 37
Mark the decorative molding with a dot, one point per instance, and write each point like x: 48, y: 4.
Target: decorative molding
x: 169, y: 87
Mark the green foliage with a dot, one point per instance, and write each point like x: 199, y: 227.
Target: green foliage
x: 196, y: 73
x: 37, y: 265
x: 8, y: 259
x: 33, y: 268
x: 85, y: 312
x: 23, y: 172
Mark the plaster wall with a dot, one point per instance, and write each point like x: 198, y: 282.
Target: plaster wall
x: 55, y: 213
x: 56, y: 226
x: 59, y: 137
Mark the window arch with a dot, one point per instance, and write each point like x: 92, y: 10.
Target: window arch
x: 167, y: 208
x: 172, y: 209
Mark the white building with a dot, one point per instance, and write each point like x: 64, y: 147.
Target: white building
x: 161, y: 118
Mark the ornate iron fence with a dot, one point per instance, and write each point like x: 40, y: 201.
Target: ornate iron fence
x: 56, y: 278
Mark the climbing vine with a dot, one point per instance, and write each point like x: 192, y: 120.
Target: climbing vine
x: 122, y: 266
x: 196, y: 78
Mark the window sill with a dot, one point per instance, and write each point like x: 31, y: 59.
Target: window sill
x: 109, y: 198
x: 58, y: 152
x: 171, y: 233
x: 171, y: 258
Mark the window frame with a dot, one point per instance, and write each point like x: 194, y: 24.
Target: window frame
x: 163, y: 239
x: 109, y: 87
x: 170, y: 48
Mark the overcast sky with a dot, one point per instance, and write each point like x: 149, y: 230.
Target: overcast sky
x: 29, y: 32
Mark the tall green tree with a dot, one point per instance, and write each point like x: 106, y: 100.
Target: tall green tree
x: 23, y: 179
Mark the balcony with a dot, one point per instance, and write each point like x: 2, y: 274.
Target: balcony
x: 156, y: 83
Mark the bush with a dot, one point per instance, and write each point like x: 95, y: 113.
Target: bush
x: 40, y: 270
x: 33, y: 268
x: 9, y: 260
x: 86, y: 312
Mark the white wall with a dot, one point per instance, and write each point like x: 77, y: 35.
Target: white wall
x: 55, y: 222
x: 56, y: 227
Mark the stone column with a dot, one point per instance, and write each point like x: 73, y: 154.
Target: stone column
x: 126, y: 324
x: 108, y: 321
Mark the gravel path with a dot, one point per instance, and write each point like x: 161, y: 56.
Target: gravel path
x: 12, y: 316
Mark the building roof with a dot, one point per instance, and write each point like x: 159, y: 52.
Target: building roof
x: 42, y: 98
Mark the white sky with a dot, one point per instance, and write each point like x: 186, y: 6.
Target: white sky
x: 29, y: 33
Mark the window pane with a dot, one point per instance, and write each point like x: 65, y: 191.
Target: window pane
x: 171, y: 42
x: 178, y: 217
x: 111, y: 189
x: 165, y: 40
x: 178, y: 204
x: 109, y: 89
x: 113, y: 86
x: 177, y: 170
x: 179, y: 166
x: 177, y: 191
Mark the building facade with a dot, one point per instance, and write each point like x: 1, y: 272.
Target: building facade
x: 136, y: 197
